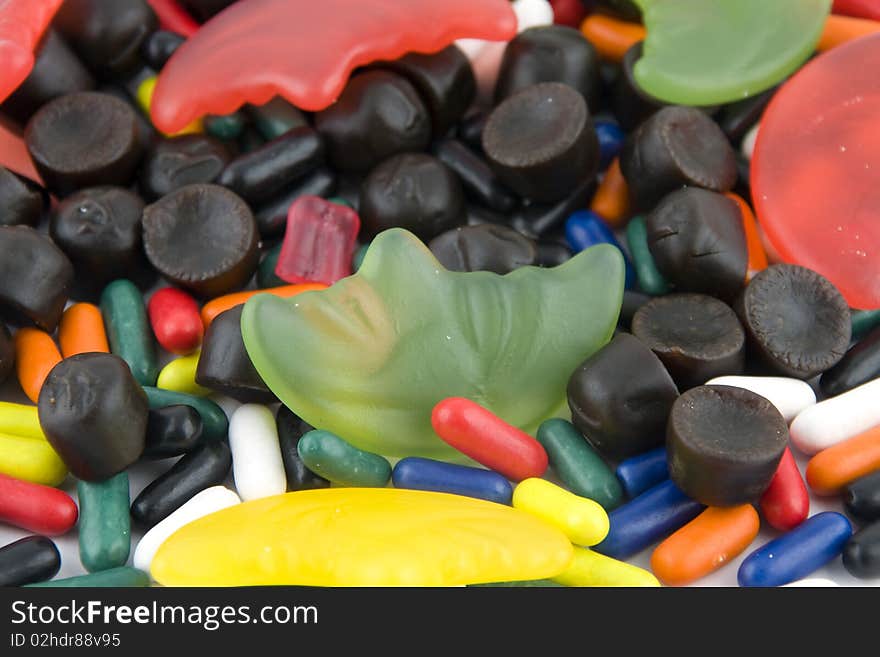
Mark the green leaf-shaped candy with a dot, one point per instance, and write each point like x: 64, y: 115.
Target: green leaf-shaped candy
x: 369, y: 357
x: 706, y: 52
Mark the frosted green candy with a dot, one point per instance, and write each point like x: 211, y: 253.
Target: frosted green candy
x: 705, y: 52
x: 369, y: 357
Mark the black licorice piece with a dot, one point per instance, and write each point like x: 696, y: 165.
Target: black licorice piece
x: 159, y: 46
x: 7, y: 353
x: 445, y: 80
x: 630, y: 103
x: 620, y: 398
x: 861, y: 554
x: 736, y: 119
x: 175, y: 162
x: 84, y: 139
x: 272, y: 216
x: 264, y: 172
x: 698, y: 243
x: 224, y: 365
x: 488, y: 247
x: 632, y: 301
x: 202, y: 10
x: 696, y: 336
x: 552, y: 254
x: 107, y: 34
x: 796, y: 321
x: 99, y: 228
x: 676, y: 146
x: 28, y: 560
x: 859, y: 365
x: 862, y: 498
x: 379, y: 114
x: 470, y: 129
x: 413, y: 191
x: 205, y: 466
x: 290, y: 429
x: 203, y: 238
x: 549, y: 53
x: 172, y: 431
x: 35, y: 277
x: 724, y: 444
x: 276, y: 117
x: 625, y: 9
x: 541, y: 142
x: 94, y: 414
x: 536, y: 219
x: 477, y: 178
x: 22, y: 201
x: 57, y: 71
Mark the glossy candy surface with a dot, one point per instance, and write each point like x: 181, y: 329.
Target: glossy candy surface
x: 291, y: 429
x: 584, y: 229
x: 582, y: 520
x: 179, y: 375
x: 31, y: 459
x: 82, y: 330
x: 35, y: 356
x: 330, y: 538
x: 373, y: 330
x: 426, y: 474
x: 785, y: 503
x: 639, y: 473
x: 331, y: 457
x: 171, y: 431
x: 36, y: 508
x: 174, y: 317
x: 834, y: 468
x: 256, y: 456
x: 27, y: 560
x: 589, y: 568
x: 214, y: 422
x: 836, y: 419
x: 862, y: 498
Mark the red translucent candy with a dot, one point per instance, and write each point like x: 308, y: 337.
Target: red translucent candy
x: 14, y: 154
x: 319, y: 242
x: 487, y: 439
x: 304, y: 50
x: 173, y: 17
x: 22, y: 23
x: 568, y: 12
x: 785, y: 504
x: 815, y: 170
x: 858, y: 8
x: 174, y: 316
x: 36, y: 508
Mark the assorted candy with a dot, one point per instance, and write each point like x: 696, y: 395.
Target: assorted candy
x: 531, y: 293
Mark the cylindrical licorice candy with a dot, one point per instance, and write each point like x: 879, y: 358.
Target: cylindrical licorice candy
x: 104, y: 523
x: 535, y: 219
x: 589, y: 568
x: 698, y: 243
x: 541, y: 142
x: 582, y: 520
x: 620, y: 398
x: 94, y: 415
x: 578, y: 465
x: 705, y: 544
x: 427, y: 474
x: 859, y: 365
x: 342, y: 463
x: 631, y: 104
x: 696, y: 336
x: 204, y: 503
x: 271, y: 216
x: 643, y: 471
x: 798, y: 553
x: 256, y: 455
x: 786, y: 503
x: 724, y: 444
x: 861, y: 555
x: 175, y: 230
x: 470, y: 128
x: 36, y: 508
x: 31, y: 459
x: 789, y: 396
x: 174, y: 317
x: 23, y: 201
x: 478, y: 180
x: 128, y: 330
x: 795, y: 320
x: 632, y: 301
x: 738, y: 117
x: 35, y: 356
x: 28, y: 560
x: 82, y: 331
x: 650, y: 280
x: 121, y: 577
x: 175, y: 162
x: 677, y: 146
x: 158, y: 47
x: 276, y: 117
x: 227, y: 127
x: 487, y: 247
x: 201, y: 468
x: 35, y: 277
x: 215, y: 424
x: 834, y: 420
x: 864, y: 321
x: 172, y: 431
x: 266, y: 276
x: 291, y: 429
x: 862, y: 498
x: 834, y: 468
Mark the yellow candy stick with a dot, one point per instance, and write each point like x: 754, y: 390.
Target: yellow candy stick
x: 180, y: 376
x: 590, y: 568
x: 582, y: 520
x: 20, y: 420
x: 31, y: 459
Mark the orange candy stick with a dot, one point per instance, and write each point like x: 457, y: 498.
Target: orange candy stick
x: 82, y: 330
x: 612, y: 37
x: 611, y: 201
x: 834, y: 468
x: 705, y: 544
x: 216, y: 306
x: 757, y: 256
x: 35, y: 356
x: 840, y: 29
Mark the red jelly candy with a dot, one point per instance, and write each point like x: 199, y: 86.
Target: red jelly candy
x: 36, y: 508
x: 815, y: 168
x: 785, y: 504
x: 173, y: 17
x: 304, y: 50
x: 858, y: 8
x: 174, y: 316
x: 14, y: 155
x: 22, y: 23
x: 319, y: 242
x: 568, y: 12
x: 480, y: 434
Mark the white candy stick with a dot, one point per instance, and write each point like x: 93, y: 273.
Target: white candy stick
x: 256, y: 455
x: 813, y: 582
x: 837, y: 419
x: 789, y: 396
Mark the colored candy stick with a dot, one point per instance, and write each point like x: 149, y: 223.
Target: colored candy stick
x: 105, y: 525
x: 639, y: 473
x: 864, y: 321
x: 214, y: 421
x: 174, y: 318
x: 757, y: 257
x: 583, y: 521
x: 35, y: 356
x: 857, y: 8
x: 173, y: 17
x: 611, y: 36
x: 651, y: 281
x: 20, y: 420
x: 27, y: 560
x: 584, y: 229
x: 839, y: 30
x: 128, y: 330
x: 122, y: 577
x: 82, y: 330
x: 489, y: 440
x: 786, y: 504
x: 331, y: 457
x: 834, y: 420
x: 798, y: 553
x: 36, y: 508
x: 611, y: 201
x: 256, y: 455
x: 31, y: 459
x: 417, y: 473
x: 705, y: 544
x: 589, y: 568
x: 22, y: 23
x: 179, y: 375
x: 216, y: 306
x: 841, y: 464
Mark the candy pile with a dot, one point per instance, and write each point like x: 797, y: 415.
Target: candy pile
x: 467, y: 292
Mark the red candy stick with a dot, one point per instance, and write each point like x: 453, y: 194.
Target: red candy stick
x: 568, y: 12
x: 319, y: 242
x: 174, y: 316
x: 786, y: 503
x: 487, y: 439
x: 22, y: 23
x: 858, y: 8
x: 173, y: 17
x: 36, y: 508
